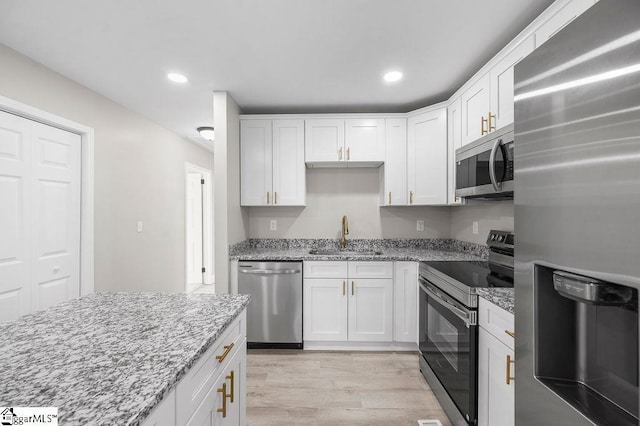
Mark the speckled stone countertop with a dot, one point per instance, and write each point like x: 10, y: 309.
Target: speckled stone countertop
x: 391, y: 249
x: 109, y: 358
x: 503, y: 297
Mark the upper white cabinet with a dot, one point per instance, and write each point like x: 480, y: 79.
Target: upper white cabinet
x: 501, y: 83
x: 427, y: 158
x: 394, y: 170
x: 476, y: 104
x: 272, y: 163
x: 454, y: 141
x: 350, y: 142
x: 561, y: 19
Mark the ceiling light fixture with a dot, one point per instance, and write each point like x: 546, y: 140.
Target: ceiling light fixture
x: 393, y: 76
x: 177, y: 78
x: 207, y: 132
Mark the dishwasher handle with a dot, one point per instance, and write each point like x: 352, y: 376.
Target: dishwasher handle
x: 269, y: 271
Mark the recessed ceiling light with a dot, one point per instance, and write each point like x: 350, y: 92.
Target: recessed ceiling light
x: 393, y: 76
x: 207, y: 132
x: 177, y: 78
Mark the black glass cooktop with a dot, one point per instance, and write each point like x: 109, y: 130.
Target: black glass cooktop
x: 471, y: 273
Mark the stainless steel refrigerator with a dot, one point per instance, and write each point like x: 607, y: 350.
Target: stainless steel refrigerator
x: 577, y: 221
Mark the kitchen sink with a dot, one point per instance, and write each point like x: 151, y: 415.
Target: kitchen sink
x: 331, y: 252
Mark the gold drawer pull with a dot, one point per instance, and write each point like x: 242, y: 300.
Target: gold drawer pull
x: 227, y: 349
x: 348, y: 154
x: 410, y: 197
x: 389, y: 197
x: 275, y: 198
x: 483, y: 131
x: 510, y: 361
x: 340, y: 154
x: 223, y: 391
x: 491, y: 122
x: 352, y: 288
x: 510, y: 333
x: 344, y: 291
x: 267, y: 197
x: 230, y: 395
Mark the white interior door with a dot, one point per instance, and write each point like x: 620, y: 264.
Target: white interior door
x: 15, y: 220
x: 56, y: 166
x: 194, y: 229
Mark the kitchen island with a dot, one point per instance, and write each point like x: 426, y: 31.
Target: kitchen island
x: 111, y: 358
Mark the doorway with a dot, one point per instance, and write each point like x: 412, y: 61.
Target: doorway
x: 199, y: 274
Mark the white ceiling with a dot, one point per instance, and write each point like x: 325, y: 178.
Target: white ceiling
x: 271, y: 55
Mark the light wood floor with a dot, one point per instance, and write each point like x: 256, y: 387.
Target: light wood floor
x: 289, y: 387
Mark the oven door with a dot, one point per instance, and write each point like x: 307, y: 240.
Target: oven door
x: 448, y: 341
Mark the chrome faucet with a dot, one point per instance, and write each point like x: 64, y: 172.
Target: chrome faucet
x: 345, y: 232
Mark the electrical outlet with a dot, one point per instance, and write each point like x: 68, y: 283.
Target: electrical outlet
x: 139, y: 226
x: 419, y: 225
x: 475, y: 227
x: 273, y: 225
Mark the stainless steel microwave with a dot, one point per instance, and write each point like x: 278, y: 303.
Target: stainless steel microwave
x: 484, y: 168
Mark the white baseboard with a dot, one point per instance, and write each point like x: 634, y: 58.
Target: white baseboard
x: 360, y: 346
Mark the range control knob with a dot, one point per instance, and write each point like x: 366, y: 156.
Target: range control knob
x: 500, y: 238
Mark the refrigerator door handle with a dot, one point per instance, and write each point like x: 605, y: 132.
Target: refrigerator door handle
x: 492, y: 166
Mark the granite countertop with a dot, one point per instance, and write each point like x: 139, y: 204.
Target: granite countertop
x: 109, y: 358
x: 391, y: 250
x: 500, y: 296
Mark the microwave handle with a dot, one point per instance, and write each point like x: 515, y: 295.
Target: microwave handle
x: 492, y: 166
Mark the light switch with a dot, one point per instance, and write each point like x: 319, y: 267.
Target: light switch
x: 475, y: 227
x: 273, y: 225
x: 420, y: 225
x: 139, y: 226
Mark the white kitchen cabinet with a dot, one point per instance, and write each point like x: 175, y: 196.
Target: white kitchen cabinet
x: 501, y: 76
x: 476, y: 106
x: 561, y: 19
x: 454, y: 141
x: 356, y: 307
x: 350, y: 142
x: 496, y: 366
x: 405, y: 297
x: 272, y: 163
x: 394, y: 171
x: 427, y: 158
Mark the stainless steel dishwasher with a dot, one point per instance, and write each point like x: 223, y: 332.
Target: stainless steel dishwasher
x: 274, y: 315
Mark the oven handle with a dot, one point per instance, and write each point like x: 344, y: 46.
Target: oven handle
x: 463, y: 315
x: 492, y: 166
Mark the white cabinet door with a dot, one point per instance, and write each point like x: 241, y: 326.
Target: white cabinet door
x: 289, y: 187
x: 495, y: 396
x: 454, y: 141
x: 371, y: 310
x: 501, y: 76
x: 394, y: 191
x: 324, y: 140
x: 364, y: 140
x: 405, y: 288
x: 427, y: 158
x: 476, y: 104
x: 256, y: 145
x: 325, y: 309
x: 561, y: 19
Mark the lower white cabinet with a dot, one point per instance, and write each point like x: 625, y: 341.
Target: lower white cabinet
x: 356, y: 307
x: 496, y: 366
x: 405, y: 299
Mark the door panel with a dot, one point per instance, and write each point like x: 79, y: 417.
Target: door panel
x: 475, y: 105
x: 324, y: 140
x: 395, y: 163
x: 325, y: 309
x: 364, y: 139
x: 371, y: 310
x: 256, y: 162
x: 194, y: 228
x: 289, y: 172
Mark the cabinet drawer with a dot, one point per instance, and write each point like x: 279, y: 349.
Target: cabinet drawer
x: 496, y: 321
x: 194, y: 386
x: 325, y: 269
x: 370, y: 270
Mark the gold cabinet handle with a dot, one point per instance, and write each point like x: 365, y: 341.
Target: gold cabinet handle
x: 483, y: 120
x: 344, y: 288
x: 340, y: 154
x: 227, y: 349
x: 352, y: 288
x: 348, y: 153
x: 231, y: 392
x: 389, y: 197
x: 510, y: 361
x: 223, y: 391
x: 410, y: 197
x: 491, y: 126
x: 510, y: 333
x: 267, y: 197
x: 275, y: 198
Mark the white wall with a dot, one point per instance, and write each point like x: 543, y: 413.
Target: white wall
x: 139, y: 175
x: 332, y: 193
x: 230, y: 221
x: 489, y: 215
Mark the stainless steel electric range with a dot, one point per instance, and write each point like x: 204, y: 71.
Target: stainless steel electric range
x: 448, y: 324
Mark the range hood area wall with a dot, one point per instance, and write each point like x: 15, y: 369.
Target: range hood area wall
x: 333, y: 193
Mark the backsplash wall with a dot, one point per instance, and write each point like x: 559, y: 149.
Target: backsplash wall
x: 489, y: 215
x: 333, y: 193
